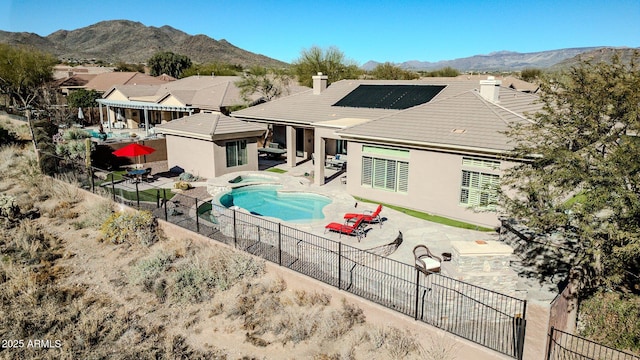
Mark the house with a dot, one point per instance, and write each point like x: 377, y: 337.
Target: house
x: 146, y: 105
x: 211, y: 144
x: 434, y: 145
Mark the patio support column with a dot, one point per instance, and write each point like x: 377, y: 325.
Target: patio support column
x: 319, y: 155
x: 101, y: 116
x: 109, y: 117
x: 291, y: 146
x: 146, y: 121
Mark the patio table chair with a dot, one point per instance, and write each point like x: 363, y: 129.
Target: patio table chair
x: 425, y: 261
x: 368, y: 215
x: 356, y: 229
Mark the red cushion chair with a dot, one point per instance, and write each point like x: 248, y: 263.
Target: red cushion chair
x: 355, y: 229
x: 368, y: 216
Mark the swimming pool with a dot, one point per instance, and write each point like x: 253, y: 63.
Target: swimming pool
x: 266, y: 200
x: 244, y: 179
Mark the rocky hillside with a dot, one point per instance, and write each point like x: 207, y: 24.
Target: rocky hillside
x: 497, y: 61
x: 596, y: 56
x: 133, y: 42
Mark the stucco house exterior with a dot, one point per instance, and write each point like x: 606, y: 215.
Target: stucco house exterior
x: 141, y: 105
x: 434, y: 145
x: 211, y: 144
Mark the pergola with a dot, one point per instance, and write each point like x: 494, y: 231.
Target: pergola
x: 140, y: 105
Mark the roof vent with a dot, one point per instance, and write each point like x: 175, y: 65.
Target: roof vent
x: 459, y: 131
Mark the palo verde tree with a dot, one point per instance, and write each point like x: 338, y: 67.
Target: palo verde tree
x: 24, y: 73
x: 268, y: 83
x: 168, y: 63
x: 582, y: 180
x: 388, y: 71
x: 330, y: 62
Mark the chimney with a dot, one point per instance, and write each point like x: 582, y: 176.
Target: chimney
x: 490, y: 89
x: 319, y: 83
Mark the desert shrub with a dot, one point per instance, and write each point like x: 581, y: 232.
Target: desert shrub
x: 75, y: 134
x: 139, y: 227
x: 612, y: 319
x: 198, y: 280
x: 146, y: 271
x: 8, y: 207
x: 185, y: 176
x: 304, y: 298
x: 6, y: 136
x: 397, y: 343
x: 193, y: 283
x: 97, y: 213
x: 182, y: 185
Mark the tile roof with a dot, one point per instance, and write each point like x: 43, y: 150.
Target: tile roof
x: 209, y: 126
x: 463, y: 121
x: 477, y: 122
x: 203, y: 92
x: 106, y: 81
x: 306, y: 108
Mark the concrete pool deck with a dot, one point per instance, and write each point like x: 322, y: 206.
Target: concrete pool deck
x: 438, y: 238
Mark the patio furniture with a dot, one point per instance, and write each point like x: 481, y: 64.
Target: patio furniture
x: 273, y: 151
x: 356, y: 229
x: 425, y: 261
x: 146, y: 176
x: 368, y: 216
x: 339, y: 162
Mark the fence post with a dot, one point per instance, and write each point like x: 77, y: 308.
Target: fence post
x: 235, y: 235
x: 137, y: 196
x: 113, y: 186
x: 164, y: 198
x: 340, y: 265
x: 157, y: 198
x: 417, y: 293
x: 280, y: 244
x: 93, y: 181
x: 550, y: 343
x: 197, y: 217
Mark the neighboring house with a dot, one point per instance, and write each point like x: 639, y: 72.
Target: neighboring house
x: 211, y: 144
x: 434, y: 145
x: 140, y: 105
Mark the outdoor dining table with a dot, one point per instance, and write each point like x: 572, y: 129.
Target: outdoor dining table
x: 137, y: 173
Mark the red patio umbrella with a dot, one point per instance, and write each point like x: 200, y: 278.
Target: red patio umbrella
x: 134, y: 149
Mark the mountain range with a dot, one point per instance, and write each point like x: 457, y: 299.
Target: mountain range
x: 132, y: 42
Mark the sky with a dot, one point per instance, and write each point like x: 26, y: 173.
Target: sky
x: 364, y: 30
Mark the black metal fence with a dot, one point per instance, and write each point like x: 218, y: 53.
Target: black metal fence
x: 565, y: 346
x: 489, y: 318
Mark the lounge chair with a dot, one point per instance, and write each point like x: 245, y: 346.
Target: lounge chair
x: 368, y: 215
x: 425, y: 261
x: 356, y: 229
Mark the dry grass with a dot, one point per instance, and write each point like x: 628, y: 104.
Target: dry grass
x: 152, y: 297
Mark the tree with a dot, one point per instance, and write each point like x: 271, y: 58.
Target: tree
x: 83, y: 98
x: 24, y: 73
x: 388, y: 71
x: 444, y: 72
x: 168, y: 63
x: 269, y: 83
x: 330, y: 62
x: 217, y: 69
x: 582, y: 177
x: 530, y: 74
x: 124, y: 67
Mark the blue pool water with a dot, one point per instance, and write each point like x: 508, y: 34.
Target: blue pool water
x: 265, y: 200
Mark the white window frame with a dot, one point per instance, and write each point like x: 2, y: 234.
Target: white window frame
x: 479, y: 183
x: 385, y: 174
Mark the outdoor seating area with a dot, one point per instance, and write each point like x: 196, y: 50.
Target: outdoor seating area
x: 355, y: 224
x: 368, y: 216
x: 339, y: 161
x: 356, y: 229
x: 425, y: 261
x: 273, y: 151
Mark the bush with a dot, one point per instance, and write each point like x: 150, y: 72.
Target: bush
x: 135, y: 227
x: 612, y: 319
x: 182, y: 185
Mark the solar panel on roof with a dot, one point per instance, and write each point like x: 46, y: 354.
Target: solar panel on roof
x: 396, y: 97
